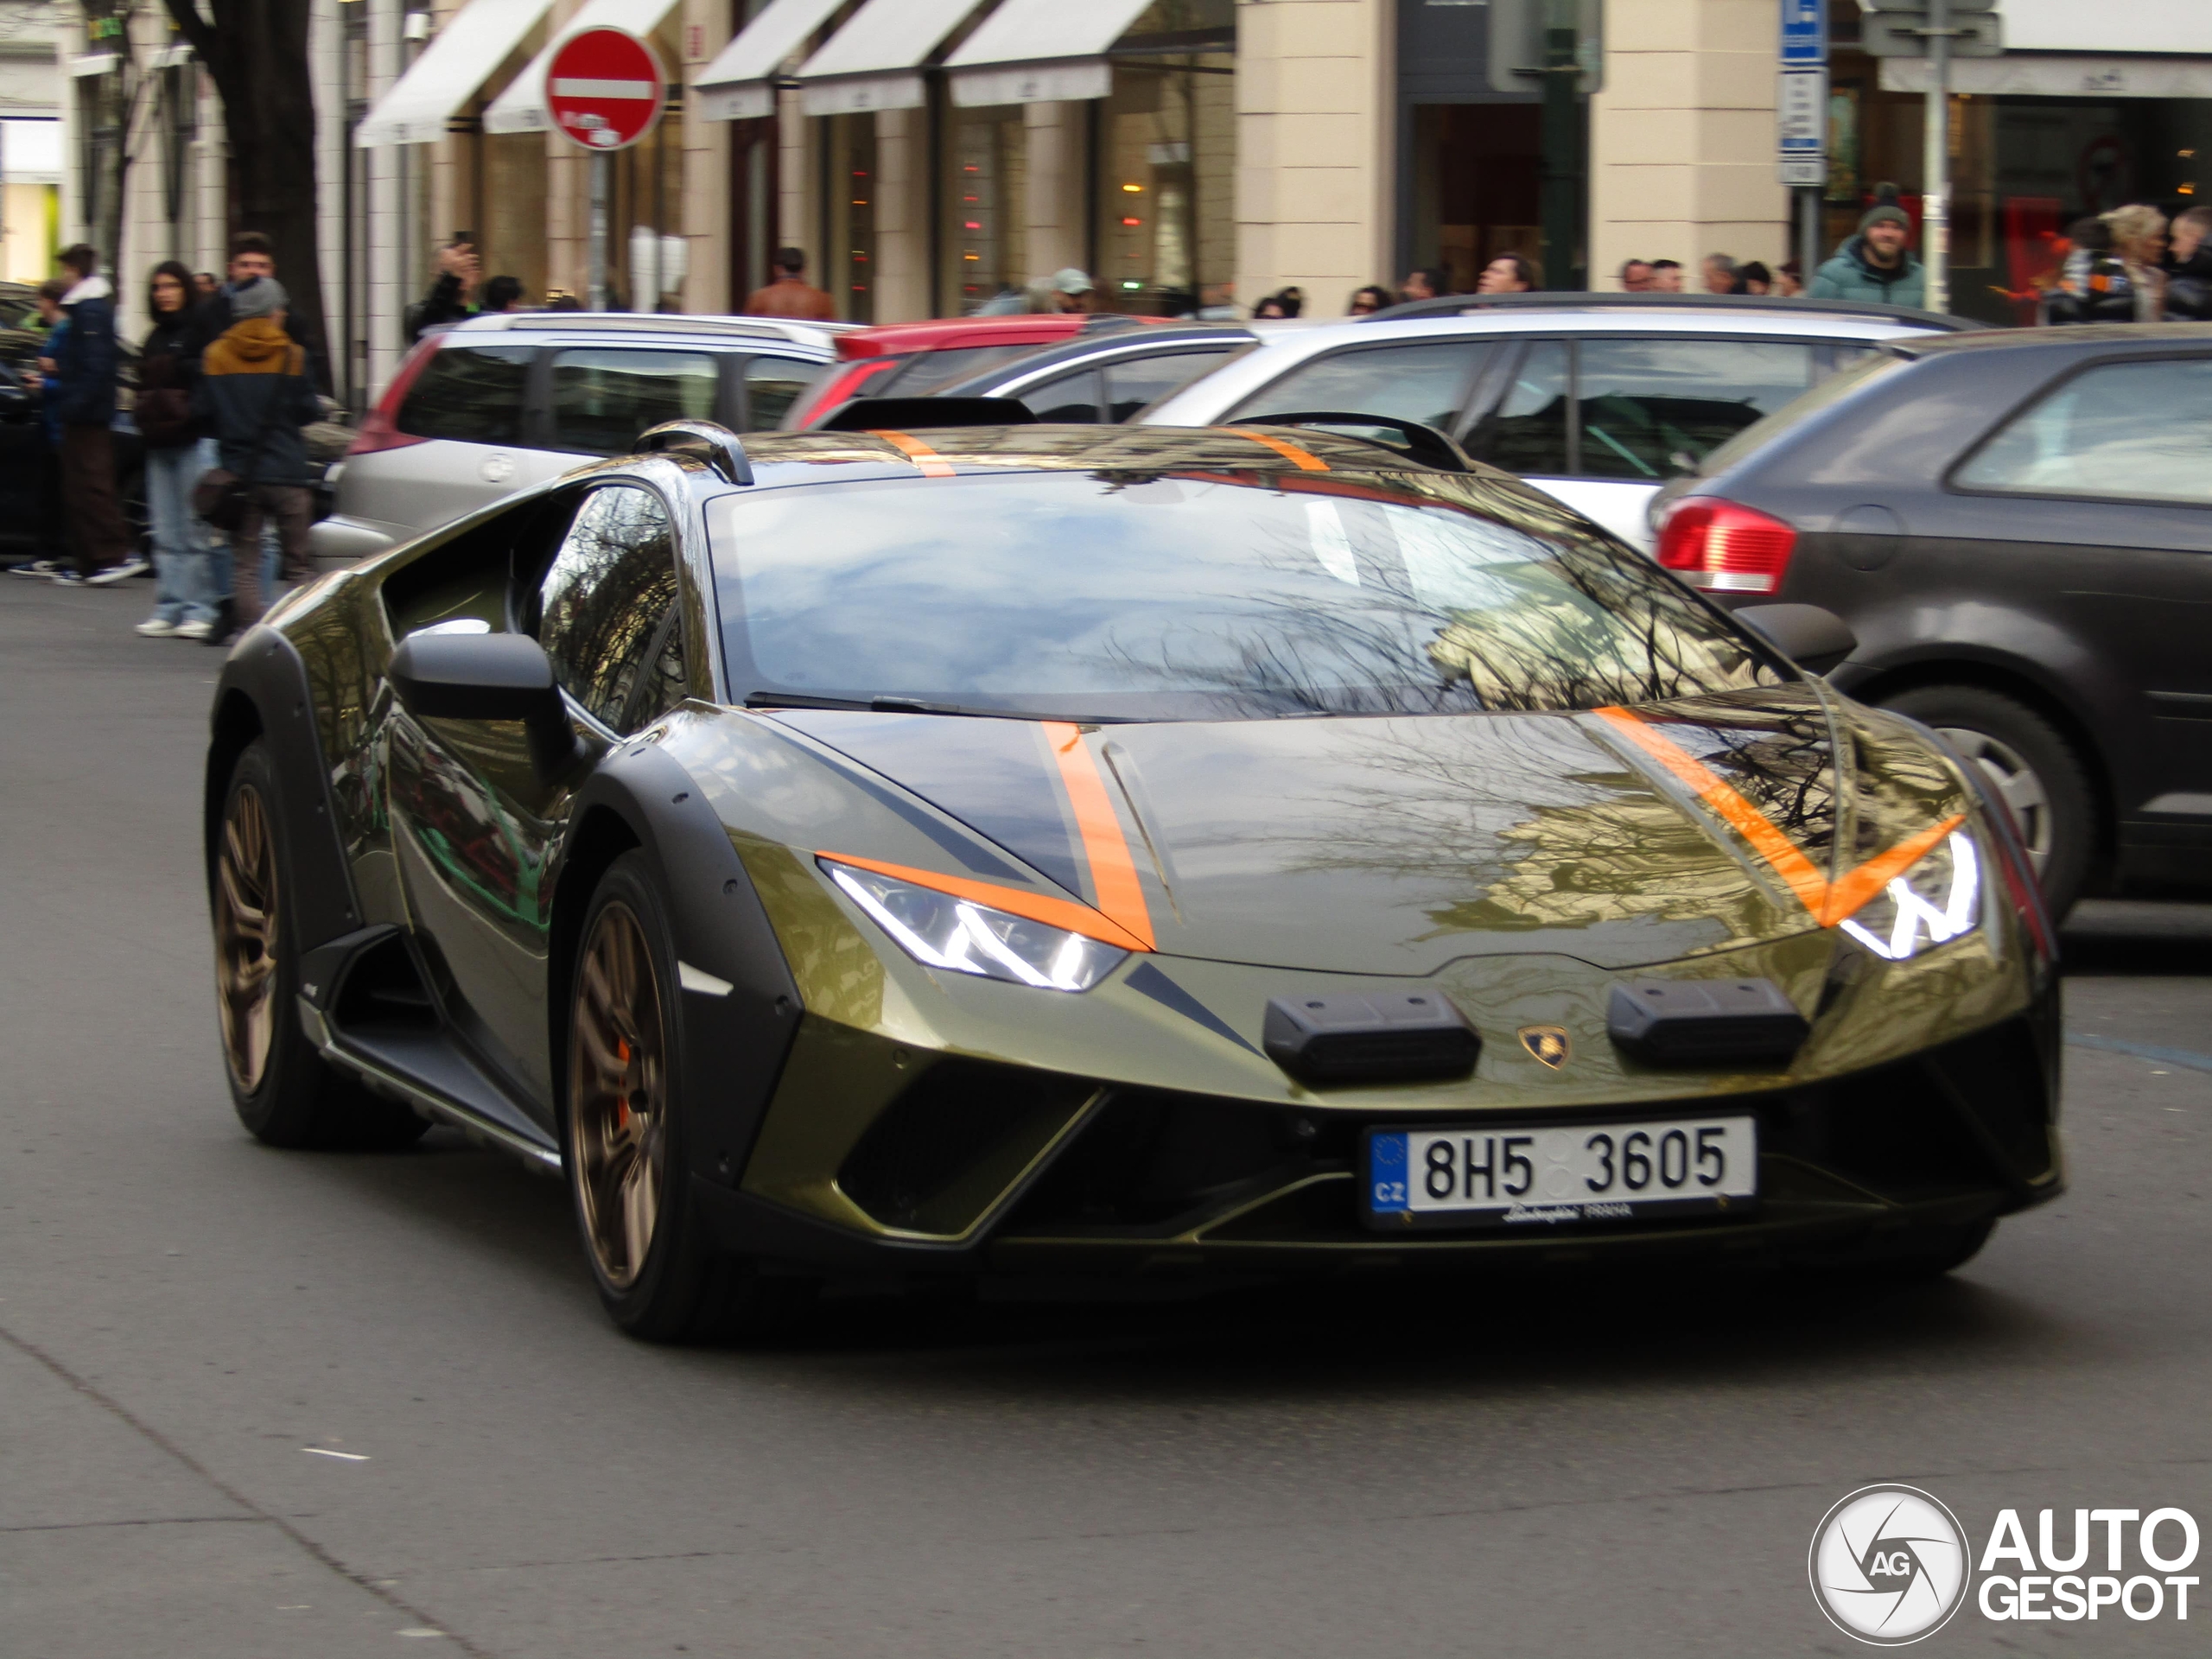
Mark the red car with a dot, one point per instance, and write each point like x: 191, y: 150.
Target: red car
x: 912, y: 359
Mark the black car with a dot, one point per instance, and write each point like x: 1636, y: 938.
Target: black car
x: 1107, y: 378
x: 2017, y: 528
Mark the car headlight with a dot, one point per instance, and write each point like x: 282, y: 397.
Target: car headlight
x: 940, y: 930
x: 1936, y: 900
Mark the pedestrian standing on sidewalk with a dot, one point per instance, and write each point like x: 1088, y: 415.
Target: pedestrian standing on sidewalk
x: 254, y: 395
x: 187, y: 604
x: 1877, y: 263
x: 52, y: 528
x: 82, y: 393
x: 2188, y: 266
x: 790, y: 294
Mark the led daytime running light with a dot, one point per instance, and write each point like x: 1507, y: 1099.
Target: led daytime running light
x: 1917, y: 922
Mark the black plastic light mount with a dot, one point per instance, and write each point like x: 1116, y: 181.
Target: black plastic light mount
x: 1709, y: 1022
x: 1394, y: 1037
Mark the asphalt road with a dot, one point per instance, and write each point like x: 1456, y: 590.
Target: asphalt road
x: 189, y: 1322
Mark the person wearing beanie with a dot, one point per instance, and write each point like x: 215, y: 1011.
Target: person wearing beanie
x: 1877, y: 262
x: 253, y: 394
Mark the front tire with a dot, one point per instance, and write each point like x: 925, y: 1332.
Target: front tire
x: 285, y: 1093
x: 2026, y: 761
x: 660, y: 1276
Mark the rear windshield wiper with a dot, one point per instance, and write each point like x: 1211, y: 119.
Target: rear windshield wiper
x: 921, y: 706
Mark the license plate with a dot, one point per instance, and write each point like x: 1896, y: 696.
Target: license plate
x: 1550, y: 1174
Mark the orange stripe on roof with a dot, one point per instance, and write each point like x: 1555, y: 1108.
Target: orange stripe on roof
x: 932, y: 464
x: 1830, y: 902
x: 1113, y: 872
x: 1037, y: 907
x: 1306, y: 460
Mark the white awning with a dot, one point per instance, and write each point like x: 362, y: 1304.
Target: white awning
x: 1040, y: 51
x: 449, y: 73
x: 741, y: 83
x: 522, y: 108
x: 2035, y: 74
x: 875, y: 61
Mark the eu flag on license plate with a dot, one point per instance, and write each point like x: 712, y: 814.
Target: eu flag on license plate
x: 1386, y: 1173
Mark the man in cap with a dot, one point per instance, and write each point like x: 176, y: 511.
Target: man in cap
x: 254, y: 395
x: 1876, y: 263
x: 1072, y: 292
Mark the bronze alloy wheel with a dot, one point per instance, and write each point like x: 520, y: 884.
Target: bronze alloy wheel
x: 617, y: 1095
x: 246, y: 936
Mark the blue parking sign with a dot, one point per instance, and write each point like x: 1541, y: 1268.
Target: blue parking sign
x: 1804, y: 32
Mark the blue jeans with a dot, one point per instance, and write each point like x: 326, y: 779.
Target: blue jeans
x: 184, y: 546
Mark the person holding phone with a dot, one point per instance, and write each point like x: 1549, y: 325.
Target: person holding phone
x: 452, y: 291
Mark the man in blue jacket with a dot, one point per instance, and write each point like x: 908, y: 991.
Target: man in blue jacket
x: 81, y: 394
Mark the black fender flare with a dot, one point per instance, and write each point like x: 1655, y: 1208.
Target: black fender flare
x: 738, y: 1008
x: 265, y: 672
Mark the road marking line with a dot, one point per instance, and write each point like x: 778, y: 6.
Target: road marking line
x: 325, y: 1452
x: 2140, y: 1051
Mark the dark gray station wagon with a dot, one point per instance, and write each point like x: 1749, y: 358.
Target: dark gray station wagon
x: 2018, y: 527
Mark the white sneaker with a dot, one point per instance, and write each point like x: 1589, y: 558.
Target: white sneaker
x: 157, y: 628
x: 133, y: 564
x: 194, y: 630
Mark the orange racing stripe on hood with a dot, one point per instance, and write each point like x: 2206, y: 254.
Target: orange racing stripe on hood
x: 1113, y: 872
x: 1036, y: 907
x: 1830, y: 902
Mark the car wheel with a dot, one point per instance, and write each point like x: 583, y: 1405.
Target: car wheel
x: 2027, y: 763
x: 286, y: 1094
x: 660, y: 1276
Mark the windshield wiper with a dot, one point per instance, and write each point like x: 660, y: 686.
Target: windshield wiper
x: 921, y: 706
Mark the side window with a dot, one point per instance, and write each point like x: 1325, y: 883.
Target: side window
x: 604, y: 396
x: 1527, y: 432
x: 1072, y: 397
x: 771, y: 386
x: 473, y: 393
x: 2141, y: 431
x: 1130, y: 386
x: 608, y: 615
x: 1643, y: 402
x: 1426, y: 381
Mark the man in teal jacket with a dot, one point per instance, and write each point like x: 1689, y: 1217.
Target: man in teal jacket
x: 1876, y: 264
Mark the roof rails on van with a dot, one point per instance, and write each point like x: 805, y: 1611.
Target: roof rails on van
x: 631, y: 322
x: 1462, y: 305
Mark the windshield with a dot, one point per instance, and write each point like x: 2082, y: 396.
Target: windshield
x: 1201, y: 596
x: 1832, y: 390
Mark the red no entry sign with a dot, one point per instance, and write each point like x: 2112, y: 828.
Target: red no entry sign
x: 604, y: 88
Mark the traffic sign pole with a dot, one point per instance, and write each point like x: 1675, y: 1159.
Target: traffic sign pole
x: 1935, y: 164
x: 1802, y: 123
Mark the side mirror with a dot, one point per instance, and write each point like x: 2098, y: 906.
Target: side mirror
x: 447, y: 676
x: 1815, y: 639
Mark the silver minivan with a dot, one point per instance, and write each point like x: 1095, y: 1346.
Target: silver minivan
x: 497, y: 402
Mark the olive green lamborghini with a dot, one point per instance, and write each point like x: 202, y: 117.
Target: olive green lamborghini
x: 998, y: 850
